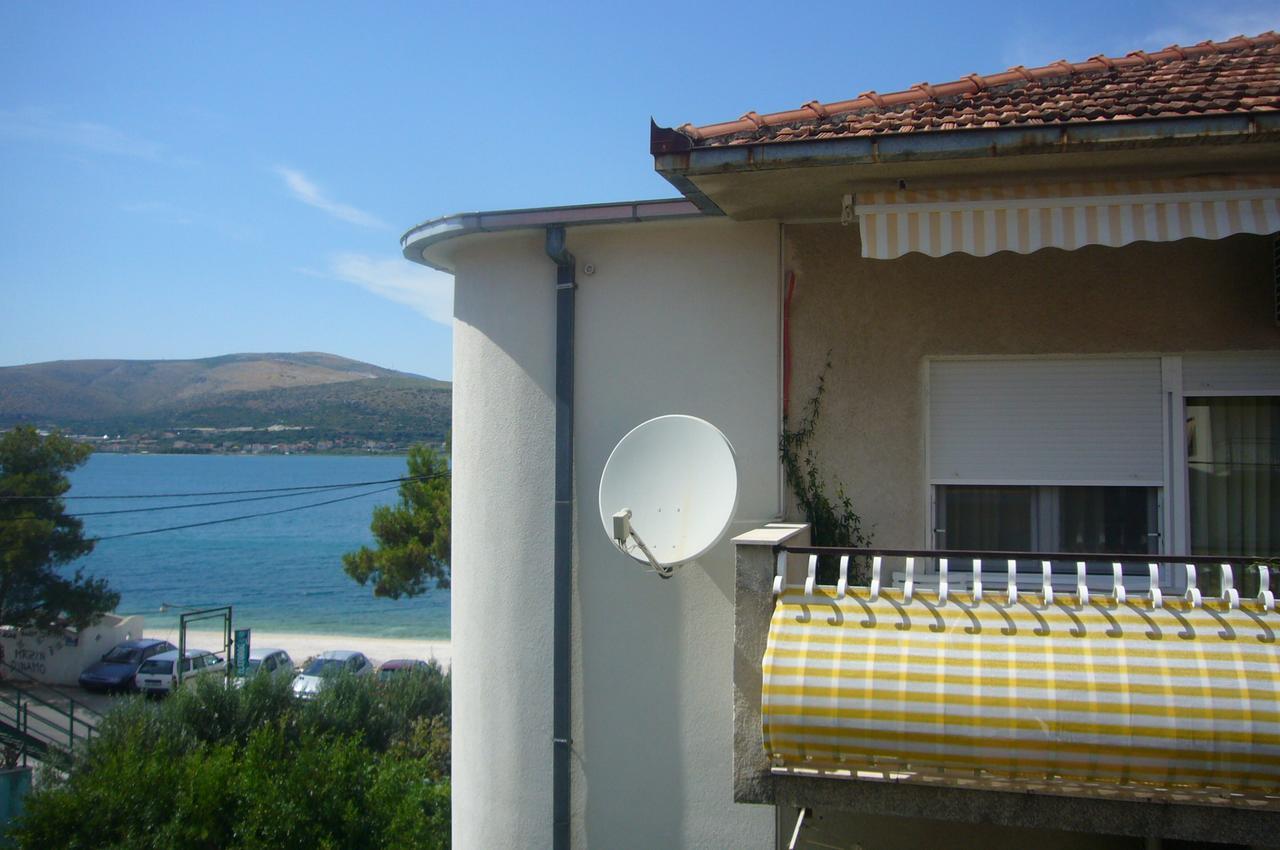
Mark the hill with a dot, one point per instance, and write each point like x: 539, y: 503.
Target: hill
x: 195, y: 404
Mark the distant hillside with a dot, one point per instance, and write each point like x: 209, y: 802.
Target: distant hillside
x: 323, y: 394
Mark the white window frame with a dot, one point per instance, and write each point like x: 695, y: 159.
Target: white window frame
x: 1173, y: 504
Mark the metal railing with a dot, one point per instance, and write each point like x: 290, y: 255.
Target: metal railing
x: 59, y: 725
x: 1229, y: 578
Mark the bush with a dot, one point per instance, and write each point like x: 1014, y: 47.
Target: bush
x: 361, y: 766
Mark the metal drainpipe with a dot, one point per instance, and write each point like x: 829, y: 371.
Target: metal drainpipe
x: 561, y: 694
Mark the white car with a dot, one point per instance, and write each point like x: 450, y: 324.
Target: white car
x: 157, y: 675
x: 327, y: 665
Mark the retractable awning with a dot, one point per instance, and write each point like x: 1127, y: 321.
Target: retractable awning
x: 1180, y: 696
x: 1026, y: 218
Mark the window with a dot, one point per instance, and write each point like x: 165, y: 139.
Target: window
x: 1115, y: 520
x: 1233, y: 474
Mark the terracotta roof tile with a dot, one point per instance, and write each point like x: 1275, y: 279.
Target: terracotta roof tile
x: 1212, y: 78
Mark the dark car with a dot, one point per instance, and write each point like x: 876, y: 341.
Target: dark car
x: 117, y: 669
x: 400, y: 666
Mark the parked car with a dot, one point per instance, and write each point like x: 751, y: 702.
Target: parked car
x: 327, y: 665
x: 270, y: 662
x: 116, y: 670
x: 401, y: 666
x: 157, y: 675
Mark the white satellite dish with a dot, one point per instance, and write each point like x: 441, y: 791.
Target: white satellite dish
x: 668, y: 491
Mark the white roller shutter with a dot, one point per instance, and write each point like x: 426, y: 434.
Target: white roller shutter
x: 1069, y: 421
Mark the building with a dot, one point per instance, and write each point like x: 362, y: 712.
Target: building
x: 1049, y: 300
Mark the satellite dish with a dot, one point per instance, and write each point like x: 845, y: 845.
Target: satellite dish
x: 668, y: 491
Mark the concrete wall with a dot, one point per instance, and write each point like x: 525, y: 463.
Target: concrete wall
x: 58, y: 659
x: 677, y: 318
x: 880, y: 319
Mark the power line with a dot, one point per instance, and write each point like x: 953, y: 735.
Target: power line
x: 310, y: 488
x: 238, y: 518
x: 241, y: 501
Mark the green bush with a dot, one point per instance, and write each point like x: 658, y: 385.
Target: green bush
x: 364, y: 765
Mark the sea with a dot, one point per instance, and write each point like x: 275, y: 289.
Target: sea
x: 280, y: 571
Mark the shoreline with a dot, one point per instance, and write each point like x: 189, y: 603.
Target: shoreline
x: 301, y: 645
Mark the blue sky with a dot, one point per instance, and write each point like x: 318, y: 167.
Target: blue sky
x: 185, y: 180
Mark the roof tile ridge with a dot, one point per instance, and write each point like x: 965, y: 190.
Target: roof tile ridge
x: 974, y: 83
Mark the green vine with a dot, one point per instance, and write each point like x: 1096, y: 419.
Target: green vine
x: 832, y: 523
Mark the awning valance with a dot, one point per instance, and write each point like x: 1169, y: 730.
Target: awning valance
x: 1026, y: 218
x: 1109, y: 693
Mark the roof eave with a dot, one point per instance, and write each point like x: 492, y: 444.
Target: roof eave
x: 419, y: 244
x: 678, y: 167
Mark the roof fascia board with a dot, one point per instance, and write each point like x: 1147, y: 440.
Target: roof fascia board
x: 415, y: 243
x: 964, y: 144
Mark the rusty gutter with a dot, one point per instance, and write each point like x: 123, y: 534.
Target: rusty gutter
x: 678, y: 166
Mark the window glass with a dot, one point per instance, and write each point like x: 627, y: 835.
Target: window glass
x: 1233, y: 475
x: 1106, y: 519
x: 992, y: 518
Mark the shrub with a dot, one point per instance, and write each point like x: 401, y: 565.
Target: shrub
x: 361, y: 766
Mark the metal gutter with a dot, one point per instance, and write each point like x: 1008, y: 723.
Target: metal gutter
x: 677, y: 166
x: 418, y: 240
x: 562, y: 573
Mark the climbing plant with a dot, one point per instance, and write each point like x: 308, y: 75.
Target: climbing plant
x: 833, y: 521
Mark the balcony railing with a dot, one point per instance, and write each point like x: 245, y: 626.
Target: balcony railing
x: 1126, y: 676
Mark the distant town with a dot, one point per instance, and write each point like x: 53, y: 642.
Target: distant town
x: 275, y: 439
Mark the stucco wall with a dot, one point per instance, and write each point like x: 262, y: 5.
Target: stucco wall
x: 503, y: 461
x: 880, y: 319
x: 677, y: 318
x: 59, y: 658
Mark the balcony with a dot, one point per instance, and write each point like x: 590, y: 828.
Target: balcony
x: 1128, y: 694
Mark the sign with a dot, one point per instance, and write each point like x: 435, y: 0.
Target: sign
x: 242, y: 652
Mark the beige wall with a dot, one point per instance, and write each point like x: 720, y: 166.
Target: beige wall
x: 880, y: 319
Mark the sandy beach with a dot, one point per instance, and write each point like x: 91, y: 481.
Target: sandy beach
x: 302, y: 646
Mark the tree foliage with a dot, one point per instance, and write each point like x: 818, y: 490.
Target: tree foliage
x: 37, y: 536
x: 360, y: 767
x: 412, y: 535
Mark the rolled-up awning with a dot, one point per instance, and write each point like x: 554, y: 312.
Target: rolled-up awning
x: 1180, y: 696
x: 1026, y: 218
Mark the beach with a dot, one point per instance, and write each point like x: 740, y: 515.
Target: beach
x: 303, y: 646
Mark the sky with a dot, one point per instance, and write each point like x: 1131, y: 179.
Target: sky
x: 188, y: 180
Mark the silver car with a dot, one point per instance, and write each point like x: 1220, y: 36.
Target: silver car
x: 270, y: 662
x: 327, y: 665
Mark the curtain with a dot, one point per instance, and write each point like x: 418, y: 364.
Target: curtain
x: 1233, y: 471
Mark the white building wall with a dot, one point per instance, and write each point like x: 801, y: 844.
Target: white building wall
x: 58, y: 658
x: 678, y: 317
x: 503, y: 463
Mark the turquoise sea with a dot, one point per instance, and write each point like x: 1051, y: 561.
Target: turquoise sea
x: 280, y: 573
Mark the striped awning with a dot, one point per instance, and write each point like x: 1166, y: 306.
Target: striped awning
x: 1178, y: 696
x: 1026, y: 218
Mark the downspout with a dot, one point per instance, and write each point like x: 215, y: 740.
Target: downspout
x: 561, y: 694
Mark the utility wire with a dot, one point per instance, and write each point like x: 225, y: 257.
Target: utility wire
x: 234, y: 501
x: 238, y: 518
x: 310, y: 488
x: 239, y: 501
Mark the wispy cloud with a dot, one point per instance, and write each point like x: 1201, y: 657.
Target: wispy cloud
x: 428, y: 291
x: 309, y: 193
x: 1182, y: 23
x: 40, y: 125
x: 1193, y: 23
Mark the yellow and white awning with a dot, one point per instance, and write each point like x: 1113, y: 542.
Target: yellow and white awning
x: 1026, y: 218
x: 1180, y: 696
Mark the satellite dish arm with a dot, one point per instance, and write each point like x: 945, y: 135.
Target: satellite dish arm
x: 623, y: 532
